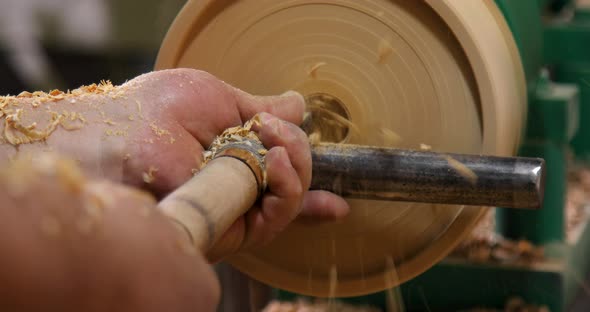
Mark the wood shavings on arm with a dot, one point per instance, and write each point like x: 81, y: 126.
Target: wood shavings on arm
x: 75, y: 121
x: 71, y: 127
x: 118, y: 132
x: 15, y: 133
x: 157, y: 130
x: 109, y: 122
x: 139, y: 110
x: 148, y: 177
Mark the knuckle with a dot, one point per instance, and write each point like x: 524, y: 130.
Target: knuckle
x: 287, y: 187
x: 190, y: 76
x: 202, y: 76
x: 301, y: 135
x: 278, y: 226
x: 296, y: 191
x: 297, y: 133
x: 293, y: 137
x: 190, y: 73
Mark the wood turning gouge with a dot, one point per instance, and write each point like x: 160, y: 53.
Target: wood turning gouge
x: 233, y: 180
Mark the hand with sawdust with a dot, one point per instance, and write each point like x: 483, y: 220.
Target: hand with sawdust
x: 151, y: 133
x: 194, y: 107
x: 83, y: 243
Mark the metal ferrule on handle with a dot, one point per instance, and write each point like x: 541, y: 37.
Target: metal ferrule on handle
x: 207, y: 205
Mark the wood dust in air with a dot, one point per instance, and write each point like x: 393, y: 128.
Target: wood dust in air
x: 384, y: 51
x: 322, y: 124
x: 313, y: 70
x: 462, y: 170
x: 318, y: 305
x: 390, y: 137
x: 394, y: 299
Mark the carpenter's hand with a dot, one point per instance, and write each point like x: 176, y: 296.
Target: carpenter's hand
x: 151, y: 133
x: 71, y: 244
x: 194, y: 107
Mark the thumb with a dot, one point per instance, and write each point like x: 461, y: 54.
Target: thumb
x: 288, y: 106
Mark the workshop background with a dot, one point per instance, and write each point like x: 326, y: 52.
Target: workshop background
x: 48, y: 44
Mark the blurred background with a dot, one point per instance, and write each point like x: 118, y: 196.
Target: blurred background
x: 48, y: 44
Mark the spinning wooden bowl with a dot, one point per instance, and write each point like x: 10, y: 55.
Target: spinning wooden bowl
x: 444, y: 73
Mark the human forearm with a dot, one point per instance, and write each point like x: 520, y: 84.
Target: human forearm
x: 86, y: 124
x: 81, y: 245
x: 125, y: 133
x: 152, y: 132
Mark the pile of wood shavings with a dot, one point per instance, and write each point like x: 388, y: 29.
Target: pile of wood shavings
x: 236, y: 135
x: 516, y: 304
x: 577, y: 200
x: 12, y: 110
x: 317, y: 306
x: 486, y: 245
x: 500, y: 250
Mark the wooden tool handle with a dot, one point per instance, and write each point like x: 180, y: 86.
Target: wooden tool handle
x: 207, y: 205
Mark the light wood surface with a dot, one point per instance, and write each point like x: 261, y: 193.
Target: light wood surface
x: 445, y: 73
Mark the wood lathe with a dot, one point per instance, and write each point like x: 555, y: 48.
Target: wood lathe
x: 444, y: 75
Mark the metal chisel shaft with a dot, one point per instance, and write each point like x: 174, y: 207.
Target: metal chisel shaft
x: 417, y: 176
